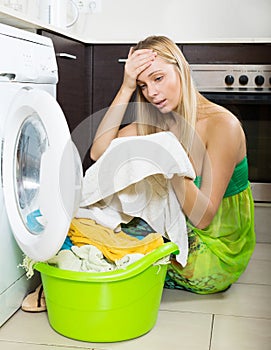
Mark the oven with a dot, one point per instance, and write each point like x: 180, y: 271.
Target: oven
x: 246, y: 91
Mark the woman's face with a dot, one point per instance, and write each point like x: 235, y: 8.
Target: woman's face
x: 160, y: 85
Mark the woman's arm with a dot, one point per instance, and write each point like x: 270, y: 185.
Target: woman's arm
x: 225, y: 148
x: 108, y: 129
x: 109, y: 126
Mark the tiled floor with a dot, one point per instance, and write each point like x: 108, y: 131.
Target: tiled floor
x: 238, y: 319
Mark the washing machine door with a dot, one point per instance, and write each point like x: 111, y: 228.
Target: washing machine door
x: 42, y: 173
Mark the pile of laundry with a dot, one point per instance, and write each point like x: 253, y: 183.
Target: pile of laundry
x: 91, y: 247
x: 130, y: 180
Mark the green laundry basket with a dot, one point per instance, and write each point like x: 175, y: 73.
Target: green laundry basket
x: 106, y: 306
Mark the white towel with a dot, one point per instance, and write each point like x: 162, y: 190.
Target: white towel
x: 89, y: 258
x: 131, y: 180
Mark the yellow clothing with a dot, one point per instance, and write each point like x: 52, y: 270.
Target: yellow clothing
x: 113, y: 245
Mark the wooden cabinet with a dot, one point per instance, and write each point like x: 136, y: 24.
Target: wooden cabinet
x: 107, y: 73
x: 108, y: 68
x: 228, y: 53
x: 74, y: 89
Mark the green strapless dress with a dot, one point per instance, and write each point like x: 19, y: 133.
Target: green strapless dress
x: 220, y: 253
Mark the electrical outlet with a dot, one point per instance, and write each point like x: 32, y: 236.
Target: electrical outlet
x: 89, y: 6
x: 95, y: 6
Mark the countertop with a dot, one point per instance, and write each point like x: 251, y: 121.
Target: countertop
x: 20, y: 20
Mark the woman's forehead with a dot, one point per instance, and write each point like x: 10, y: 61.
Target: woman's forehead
x: 158, y: 65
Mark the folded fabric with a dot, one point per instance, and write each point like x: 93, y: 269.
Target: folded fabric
x: 128, y: 160
x: 113, y: 245
x: 88, y: 258
x: 131, y: 180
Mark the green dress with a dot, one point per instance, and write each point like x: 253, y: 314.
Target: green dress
x: 220, y: 253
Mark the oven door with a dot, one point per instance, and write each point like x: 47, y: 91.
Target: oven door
x: 253, y: 109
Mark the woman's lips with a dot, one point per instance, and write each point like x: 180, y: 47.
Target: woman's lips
x: 160, y: 104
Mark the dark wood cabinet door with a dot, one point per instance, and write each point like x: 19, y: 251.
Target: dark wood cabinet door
x: 107, y: 72
x: 227, y: 53
x: 108, y: 69
x: 72, y: 85
x: 74, y: 89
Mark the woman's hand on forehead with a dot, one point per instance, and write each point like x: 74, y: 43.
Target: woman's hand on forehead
x: 137, y: 62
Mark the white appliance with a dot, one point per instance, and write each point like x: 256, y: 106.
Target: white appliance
x: 40, y: 170
x: 55, y: 12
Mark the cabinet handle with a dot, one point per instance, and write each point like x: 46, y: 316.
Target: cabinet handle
x: 122, y: 60
x: 66, y: 55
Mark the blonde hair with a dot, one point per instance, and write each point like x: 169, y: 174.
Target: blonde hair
x: 150, y: 118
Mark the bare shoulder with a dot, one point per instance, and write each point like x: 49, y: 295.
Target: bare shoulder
x: 222, y: 121
x: 224, y: 133
x: 215, y: 122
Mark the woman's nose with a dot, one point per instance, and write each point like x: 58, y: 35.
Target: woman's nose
x: 152, y: 90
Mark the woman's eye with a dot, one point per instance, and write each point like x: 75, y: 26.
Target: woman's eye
x: 159, y: 78
x: 142, y: 86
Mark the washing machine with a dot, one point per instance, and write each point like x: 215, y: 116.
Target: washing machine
x: 40, y: 170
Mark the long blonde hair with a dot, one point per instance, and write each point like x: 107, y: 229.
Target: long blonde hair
x: 149, y: 118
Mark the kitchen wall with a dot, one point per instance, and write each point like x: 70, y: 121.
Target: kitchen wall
x: 182, y: 20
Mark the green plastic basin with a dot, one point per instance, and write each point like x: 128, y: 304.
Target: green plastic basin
x: 106, y: 306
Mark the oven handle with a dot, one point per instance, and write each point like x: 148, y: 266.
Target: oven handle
x: 238, y: 98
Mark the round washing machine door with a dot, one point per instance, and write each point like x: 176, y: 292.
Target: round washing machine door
x: 42, y: 173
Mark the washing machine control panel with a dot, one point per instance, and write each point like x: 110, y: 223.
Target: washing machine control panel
x: 26, y: 61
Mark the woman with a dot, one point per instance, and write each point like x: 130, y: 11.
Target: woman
x: 218, y: 204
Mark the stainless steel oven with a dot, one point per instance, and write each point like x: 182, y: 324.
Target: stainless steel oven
x: 246, y: 91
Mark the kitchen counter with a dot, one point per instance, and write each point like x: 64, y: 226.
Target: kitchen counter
x: 20, y: 20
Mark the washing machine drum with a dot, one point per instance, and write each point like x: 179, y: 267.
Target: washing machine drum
x: 42, y: 174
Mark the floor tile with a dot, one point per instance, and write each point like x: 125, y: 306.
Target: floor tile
x: 240, y: 300
x: 262, y: 251
x: 257, y: 272
x: 239, y: 333
x: 263, y: 222
x: 34, y: 328
x: 171, y: 329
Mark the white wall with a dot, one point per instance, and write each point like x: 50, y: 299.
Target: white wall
x: 182, y: 20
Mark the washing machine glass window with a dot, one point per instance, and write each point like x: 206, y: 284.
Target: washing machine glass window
x: 31, y: 144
